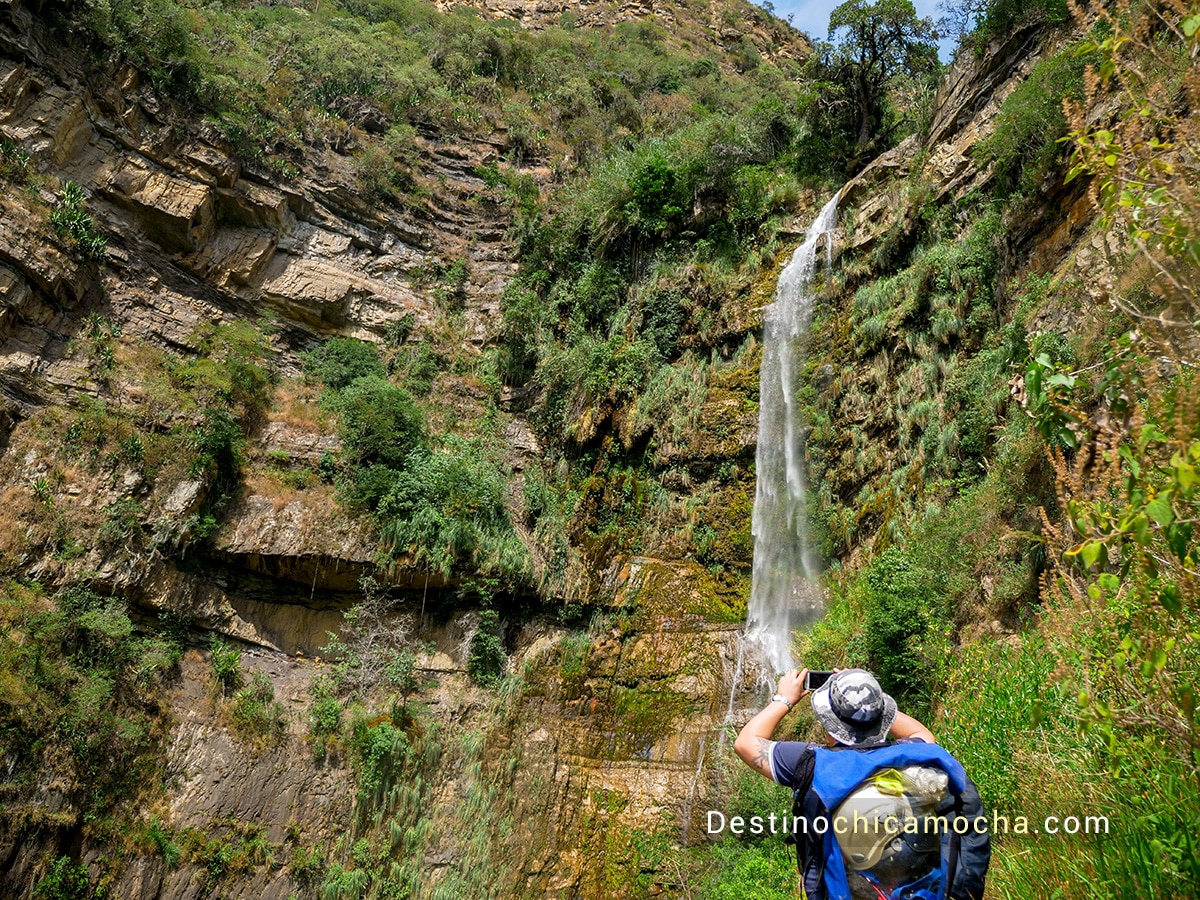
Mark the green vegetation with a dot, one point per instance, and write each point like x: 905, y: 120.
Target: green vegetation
x: 374, y: 648
x: 66, y: 880
x: 71, y: 220
x: 748, y: 865
x: 381, y: 424
x: 226, y: 661
x: 394, y: 757
x: 1042, y: 604
x: 976, y: 23
x: 14, y: 163
x: 81, y: 700
x: 877, y: 44
x: 1000, y: 17
x: 258, y: 717
x: 932, y: 365
x: 1025, y: 143
x: 389, y: 66
x: 341, y: 360
x: 324, y: 719
x: 946, y: 414
x: 437, y: 500
x: 190, y: 422
x: 486, y: 659
x: 677, y: 165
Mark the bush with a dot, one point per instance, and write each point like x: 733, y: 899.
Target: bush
x: 381, y: 751
x: 341, y: 360
x: 1024, y: 146
x: 399, y: 331
x: 381, y: 423
x: 416, y: 368
x: 307, y: 865
x: 663, y: 316
x: 218, y: 444
x: 447, y: 508
x: 155, y: 35
x: 746, y: 865
x: 257, y: 715
x: 232, y: 371
x: 71, y: 220
x: 486, y: 659
x: 325, y: 716
x: 374, y: 647
x: 66, y: 880
x: 901, y: 613
x: 160, y: 839
x: 226, y: 663
x: 14, y: 162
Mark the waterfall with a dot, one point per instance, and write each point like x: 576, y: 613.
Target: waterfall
x: 784, y: 592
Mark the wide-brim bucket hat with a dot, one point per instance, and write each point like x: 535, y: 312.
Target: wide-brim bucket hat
x: 853, y: 708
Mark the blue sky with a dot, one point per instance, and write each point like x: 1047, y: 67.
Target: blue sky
x: 812, y: 16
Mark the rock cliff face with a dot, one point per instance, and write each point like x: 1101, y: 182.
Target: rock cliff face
x: 618, y: 734
x: 965, y: 110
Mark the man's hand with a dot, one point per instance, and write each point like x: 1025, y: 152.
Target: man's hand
x: 791, y: 686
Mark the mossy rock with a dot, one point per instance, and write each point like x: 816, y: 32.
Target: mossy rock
x: 681, y: 589
x: 642, y: 717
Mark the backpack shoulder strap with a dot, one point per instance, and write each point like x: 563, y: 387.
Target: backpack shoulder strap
x: 950, y: 859
x: 802, y: 777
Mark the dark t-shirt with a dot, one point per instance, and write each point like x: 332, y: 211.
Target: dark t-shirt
x: 784, y: 757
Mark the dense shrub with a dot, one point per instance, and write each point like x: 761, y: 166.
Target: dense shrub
x: 446, y: 508
x: 486, y: 659
x: 381, y: 423
x: 156, y: 37
x: 65, y: 880
x: 380, y: 752
x: 219, y: 445
x: 325, y: 714
x: 341, y: 360
x: 901, y: 609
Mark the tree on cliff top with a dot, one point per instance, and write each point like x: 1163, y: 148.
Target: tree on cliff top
x: 871, y: 44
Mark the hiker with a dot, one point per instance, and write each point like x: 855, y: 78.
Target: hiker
x: 908, y: 779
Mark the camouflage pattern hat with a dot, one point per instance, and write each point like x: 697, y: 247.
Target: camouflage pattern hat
x: 853, y: 708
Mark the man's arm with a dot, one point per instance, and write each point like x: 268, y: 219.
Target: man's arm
x: 754, y: 742
x: 906, y: 726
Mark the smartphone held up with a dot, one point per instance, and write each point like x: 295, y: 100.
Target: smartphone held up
x: 814, y: 679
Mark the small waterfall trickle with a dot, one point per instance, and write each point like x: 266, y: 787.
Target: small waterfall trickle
x: 784, y: 592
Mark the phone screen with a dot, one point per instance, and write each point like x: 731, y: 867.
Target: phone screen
x: 814, y: 680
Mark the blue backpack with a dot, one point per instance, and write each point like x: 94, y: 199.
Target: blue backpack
x: 955, y: 863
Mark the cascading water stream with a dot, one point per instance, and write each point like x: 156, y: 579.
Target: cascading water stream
x: 784, y: 592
